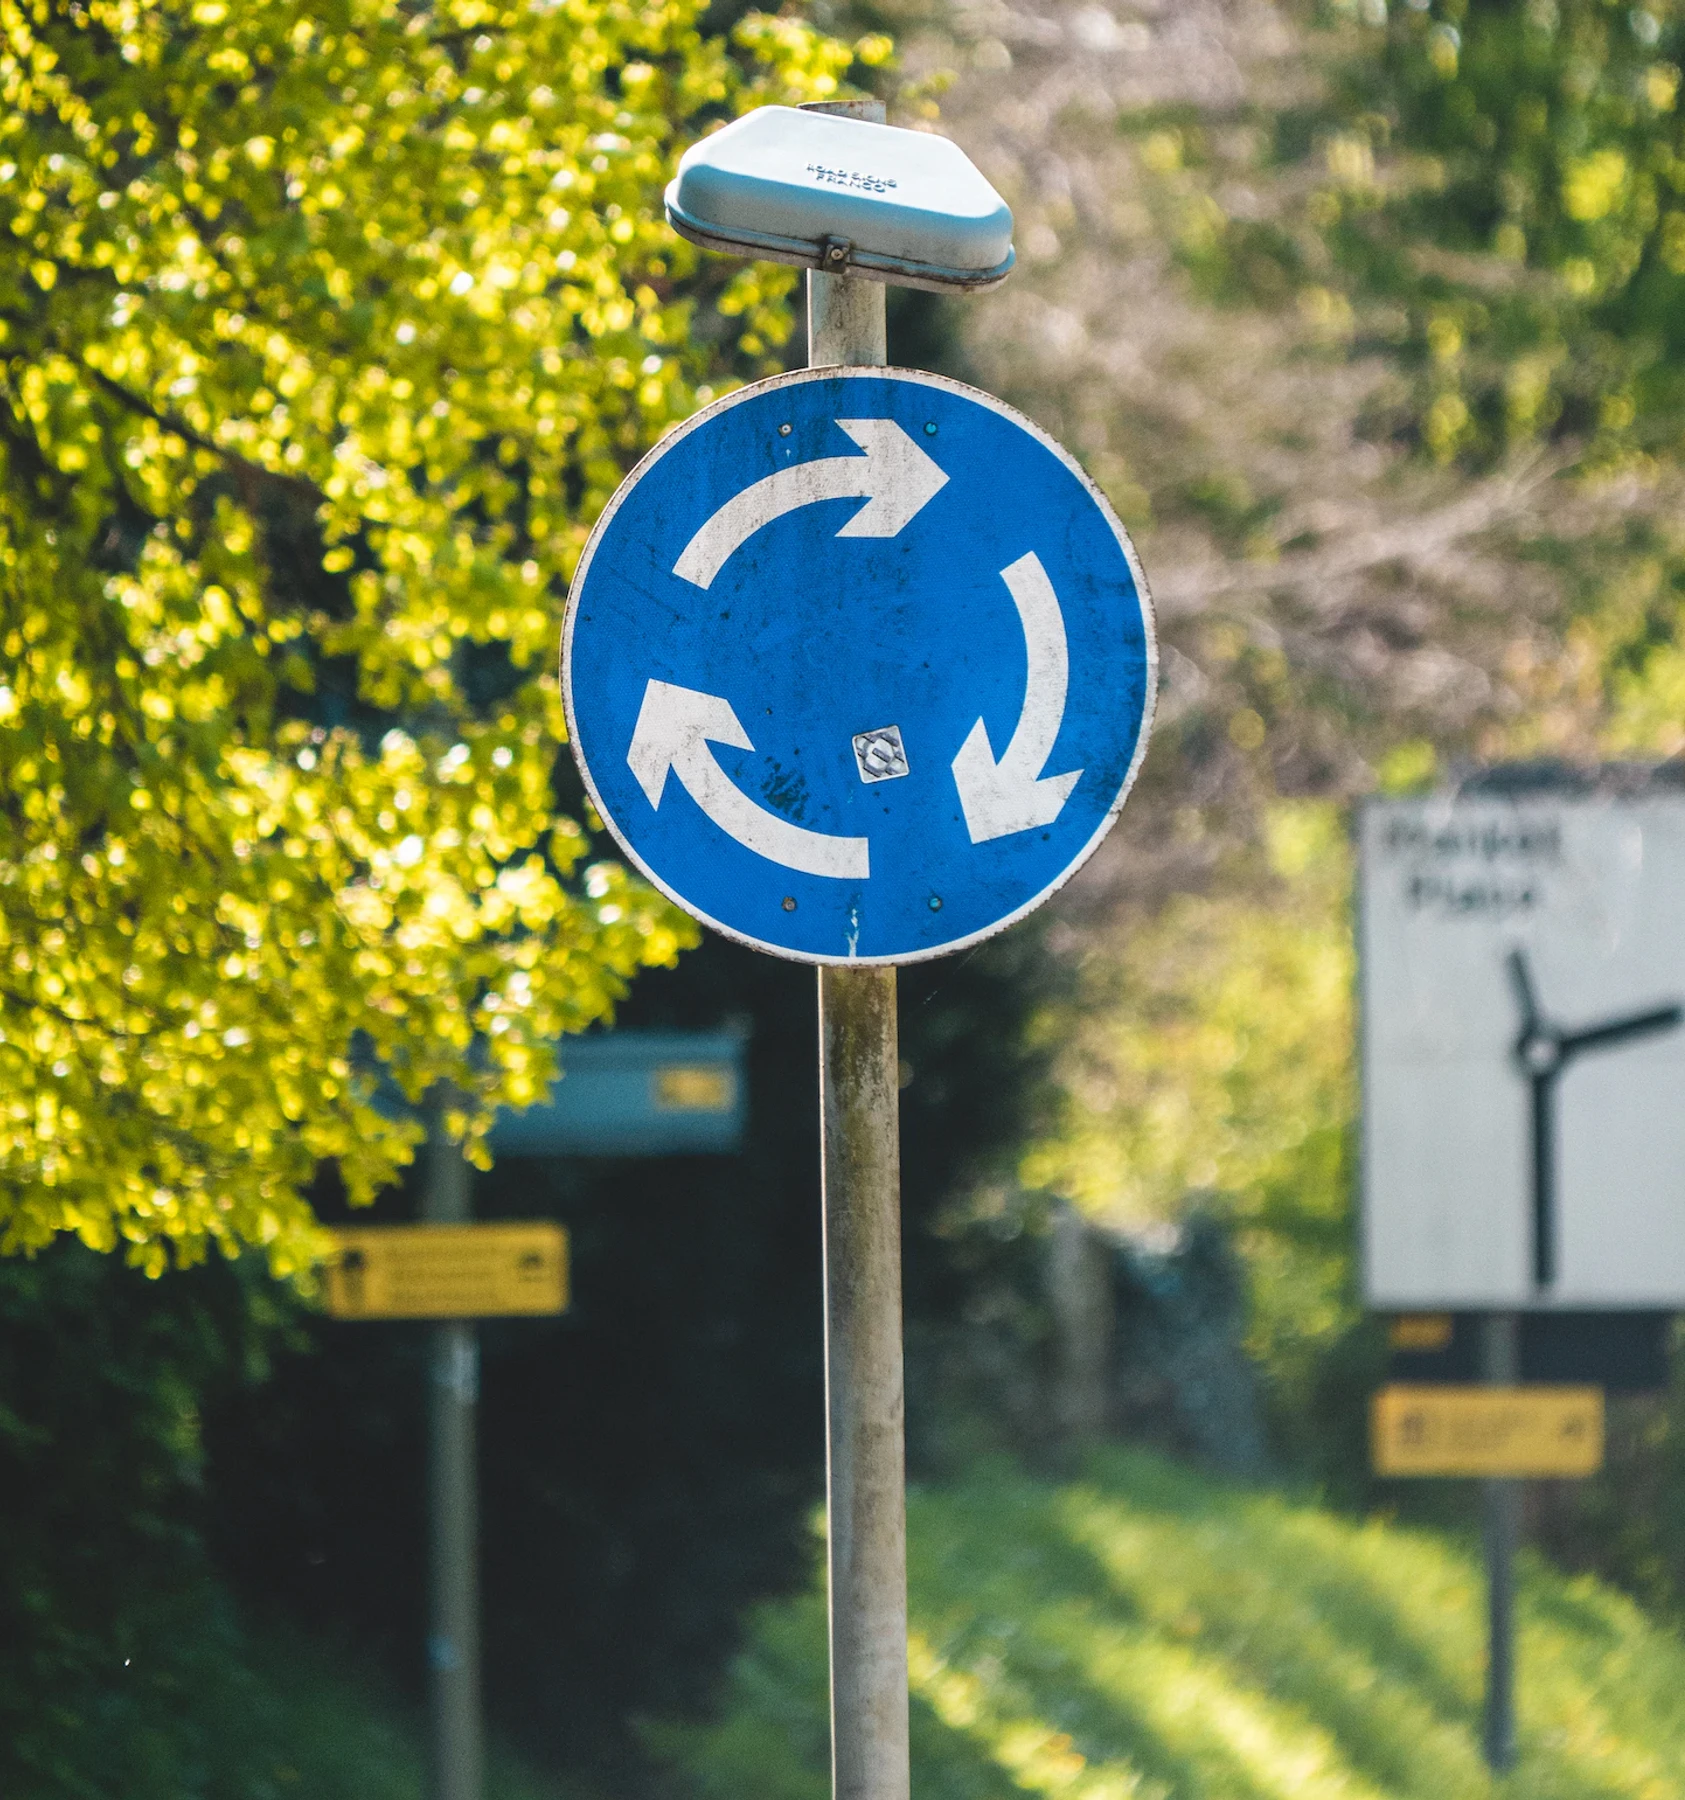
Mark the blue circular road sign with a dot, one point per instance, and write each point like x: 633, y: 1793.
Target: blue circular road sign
x: 859, y: 665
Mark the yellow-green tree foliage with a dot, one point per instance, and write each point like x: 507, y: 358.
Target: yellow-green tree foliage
x: 1501, y: 214
x: 325, y: 331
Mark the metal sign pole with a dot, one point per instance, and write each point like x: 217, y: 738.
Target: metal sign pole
x: 1029, y: 674
x: 859, y: 1092
x: 1501, y: 1529
x: 453, y: 1640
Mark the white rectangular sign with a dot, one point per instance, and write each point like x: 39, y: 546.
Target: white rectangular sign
x: 1523, y: 979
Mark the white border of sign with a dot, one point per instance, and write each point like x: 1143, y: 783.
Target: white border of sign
x: 925, y: 379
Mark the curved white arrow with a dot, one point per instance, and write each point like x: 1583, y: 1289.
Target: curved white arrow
x: 675, y: 726
x: 999, y: 798
x: 895, y: 478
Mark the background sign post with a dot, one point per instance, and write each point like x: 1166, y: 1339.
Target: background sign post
x: 453, y: 1393
x: 1500, y: 1502
x: 859, y: 1093
x: 649, y: 1093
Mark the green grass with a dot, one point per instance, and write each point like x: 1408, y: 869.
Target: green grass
x: 257, y: 1713
x: 318, y: 1728
x: 1147, y: 1634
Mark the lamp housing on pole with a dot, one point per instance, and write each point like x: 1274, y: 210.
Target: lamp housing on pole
x: 846, y: 196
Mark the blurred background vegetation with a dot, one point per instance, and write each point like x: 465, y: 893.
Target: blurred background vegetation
x: 1368, y: 320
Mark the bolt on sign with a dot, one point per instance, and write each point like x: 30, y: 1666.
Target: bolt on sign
x: 474, y: 1271
x: 1518, y: 1432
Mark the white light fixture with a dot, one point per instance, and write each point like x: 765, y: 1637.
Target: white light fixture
x: 830, y: 192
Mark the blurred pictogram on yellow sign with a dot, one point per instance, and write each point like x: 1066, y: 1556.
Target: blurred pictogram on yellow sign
x: 695, y: 1087
x: 1497, y: 1431
x: 448, y: 1271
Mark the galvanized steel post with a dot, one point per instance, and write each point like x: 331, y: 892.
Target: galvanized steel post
x: 859, y: 1092
x: 453, y: 1628
x: 1500, y: 1366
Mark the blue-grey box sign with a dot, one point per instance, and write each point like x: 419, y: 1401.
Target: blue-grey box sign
x: 636, y: 1093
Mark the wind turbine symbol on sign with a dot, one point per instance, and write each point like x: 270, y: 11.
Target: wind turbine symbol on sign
x: 1542, y: 1052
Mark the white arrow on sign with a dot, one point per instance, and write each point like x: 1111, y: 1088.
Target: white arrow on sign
x: 675, y: 726
x: 999, y: 798
x: 895, y: 478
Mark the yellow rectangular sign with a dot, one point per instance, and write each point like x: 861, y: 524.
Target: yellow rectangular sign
x: 1513, y: 1431
x: 448, y: 1271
